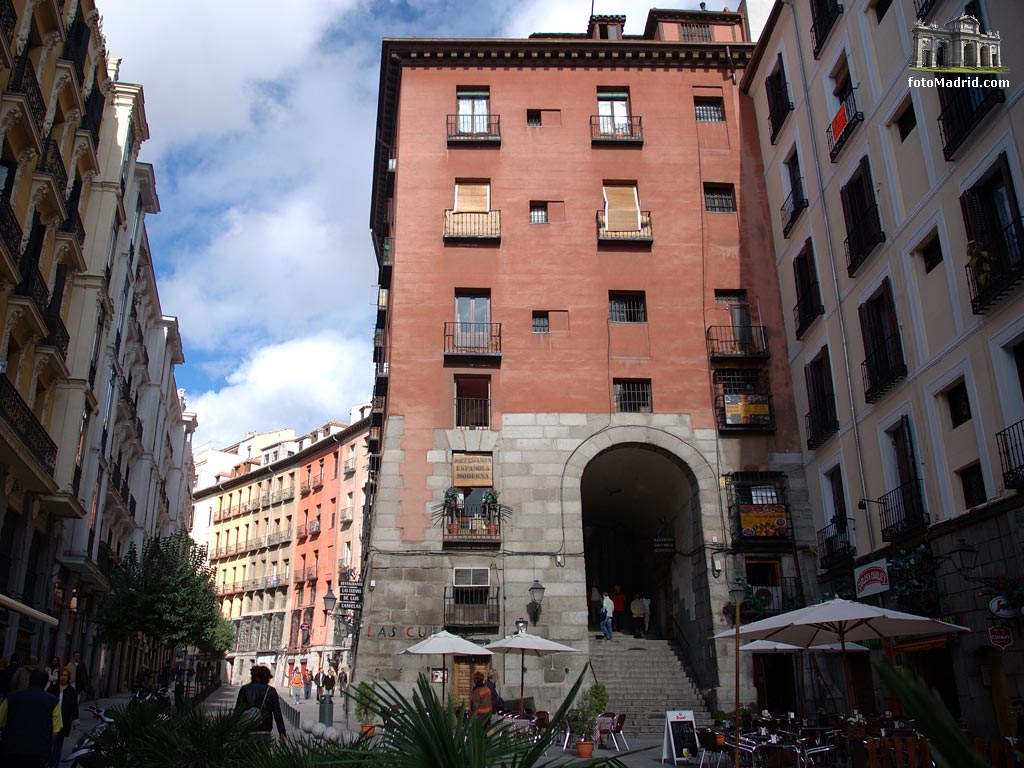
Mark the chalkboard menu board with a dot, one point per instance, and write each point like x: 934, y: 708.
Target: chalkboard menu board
x: 680, y: 742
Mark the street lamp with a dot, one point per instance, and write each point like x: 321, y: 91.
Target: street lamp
x: 329, y: 601
x: 536, y: 597
x: 737, y: 591
x: 327, y: 702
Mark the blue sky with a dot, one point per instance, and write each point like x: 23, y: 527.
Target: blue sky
x: 262, y: 117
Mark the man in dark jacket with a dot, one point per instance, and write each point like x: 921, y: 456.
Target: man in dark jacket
x: 260, y: 694
x: 31, y: 720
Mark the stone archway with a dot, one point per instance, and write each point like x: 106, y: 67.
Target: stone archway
x: 970, y: 55
x: 940, y: 55
x: 986, y: 58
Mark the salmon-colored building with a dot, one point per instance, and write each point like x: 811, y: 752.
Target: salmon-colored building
x: 582, y: 374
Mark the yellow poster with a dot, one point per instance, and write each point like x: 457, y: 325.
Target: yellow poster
x: 472, y: 470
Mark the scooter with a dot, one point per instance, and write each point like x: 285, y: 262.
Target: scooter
x: 84, y: 754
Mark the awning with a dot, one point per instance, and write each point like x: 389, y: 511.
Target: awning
x: 11, y: 604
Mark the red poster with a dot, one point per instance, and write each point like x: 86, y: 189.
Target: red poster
x: 839, y: 122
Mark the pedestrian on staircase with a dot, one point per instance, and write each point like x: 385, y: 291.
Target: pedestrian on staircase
x: 607, y: 611
x: 638, y: 610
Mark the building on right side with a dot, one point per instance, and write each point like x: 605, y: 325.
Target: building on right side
x: 900, y: 248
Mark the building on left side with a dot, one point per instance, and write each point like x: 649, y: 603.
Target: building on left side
x: 95, y: 441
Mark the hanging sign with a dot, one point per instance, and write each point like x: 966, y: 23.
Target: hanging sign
x: 472, y: 470
x: 999, y: 606
x: 871, y: 579
x: 1000, y: 637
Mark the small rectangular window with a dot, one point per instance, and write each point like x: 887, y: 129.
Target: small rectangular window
x: 931, y: 254
x: 973, y: 483
x: 709, y: 110
x: 907, y: 121
x: 533, y: 118
x: 541, y: 322
x: 719, y: 198
x: 632, y: 395
x: 627, y: 308
x: 538, y: 212
x: 959, y: 404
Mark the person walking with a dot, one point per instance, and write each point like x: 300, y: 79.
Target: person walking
x: 647, y: 613
x: 307, y: 682
x: 497, y: 703
x: 481, y: 704
x: 619, y: 599
x: 259, y: 694
x: 296, y: 685
x: 31, y: 720
x: 607, y: 611
x: 329, y: 682
x: 20, y: 681
x: 67, y: 696
x: 53, y: 670
x: 80, y: 676
x: 638, y: 610
x: 318, y: 681
x: 595, y: 606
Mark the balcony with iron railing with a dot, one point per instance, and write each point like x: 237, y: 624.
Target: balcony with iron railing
x: 288, y: 493
x: 279, y: 537
x: 466, y: 607
x: 644, y: 235
x: 72, y: 225
x: 474, y: 129
x: 475, y: 525
x: 10, y: 231
x: 883, y: 367
x: 349, y: 466
x: 779, y: 107
x: 743, y: 403
x: 52, y: 164
x: 33, y: 287
x: 299, y: 575
x: 843, y: 124
x: 472, y: 225
x: 23, y: 83
x: 8, y: 21
x: 301, y: 531
x: 821, y: 421
x: 834, y: 546
x: 611, y: 129
x: 317, y: 481
x: 807, y: 308
x: 58, y: 336
x: 305, y: 487
x: 865, y: 234
x: 825, y: 14
x: 964, y: 110
x: 902, y: 511
x: 766, y: 525
x: 729, y: 342
x: 93, y: 116
x: 791, y: 209
x: 472, y: 340
x: 995, y: 265
x: 1011, y: 455
x: 345, y: 515
x: 786, y: 594
x: 472, y: 413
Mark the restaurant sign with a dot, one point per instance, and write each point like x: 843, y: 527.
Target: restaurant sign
x: 761, y: 521
x: 1000, y: 637
x: 472, y: 470
x: 871, y: 579
x: 747, y: 409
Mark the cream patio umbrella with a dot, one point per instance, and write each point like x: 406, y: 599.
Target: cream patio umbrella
x: 527, y: 645
x: 444, y: 644
x: 839, y: 621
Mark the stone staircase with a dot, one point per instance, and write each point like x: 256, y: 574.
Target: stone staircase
x: 645, y: 678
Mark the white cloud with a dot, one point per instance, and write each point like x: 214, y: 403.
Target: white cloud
x: 300, y: 383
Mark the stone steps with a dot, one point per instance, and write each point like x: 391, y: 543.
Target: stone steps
x: 645, y: 678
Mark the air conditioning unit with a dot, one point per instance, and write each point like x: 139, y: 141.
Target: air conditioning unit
x: 314, y: 527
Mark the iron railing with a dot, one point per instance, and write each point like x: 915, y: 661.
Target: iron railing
x: 883, y: 367
x: 23, y: 422
x: 843, y: 124
x: 695, y: 33
x: 50, y: 162
x: 8, y: 21
x: 735, y: 341
x: 825, y: 14
x: 472, y: 524
x: 471, y: 607
x: 761, y: 523
x: 618, y: 130
x: 288, y: 493
x: 317, y: 481
x: 743, y: 400
x: 349, y: 466
x: 76, y: 48
x: 772, y: 599
x: 10, y: 230
x: 834, y: 546
x: 794, y: 204
x: 472, y: 339
x: 964, y: 110
x: 94, y: 114
x: 72, y: 225
x: 472, y: 413
x: 996, y: 265
x: 472, y: 225
x: 807, y: 307
x: 865, y: 233
x: 473, y: 128
x: 23, y: 83
x: 821, y: 421
x: 902, y: 511
x: 1011, y: 454
x: 643, y: 235
x: 779, y: 107
x: 32, y: 286
x: 58, y: 337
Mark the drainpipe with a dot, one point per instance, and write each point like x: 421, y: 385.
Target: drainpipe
x: 832, y: 268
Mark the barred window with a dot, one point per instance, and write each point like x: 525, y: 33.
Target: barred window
x: 719, y: 198
x: 533, y: 118
x: 541, y: 322
x: 538, y: 212
x: 632, y: 395
x: 709, y: 110
x: 740, y: 381
x: 627, y: 307
x: 756, y: 488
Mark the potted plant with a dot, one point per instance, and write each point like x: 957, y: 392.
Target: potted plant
x: 365, y: 713
x: 598, y: 696
x: 582, y: 721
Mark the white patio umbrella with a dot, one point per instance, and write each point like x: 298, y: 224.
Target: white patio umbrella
x: 839, y: 621
x: 527, y: 645
x: 444, y: 644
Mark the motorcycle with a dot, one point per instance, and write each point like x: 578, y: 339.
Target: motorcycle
x: 84, y: 754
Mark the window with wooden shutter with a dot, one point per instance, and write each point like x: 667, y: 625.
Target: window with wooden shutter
x: 621, y: 208
x: 472, y: 197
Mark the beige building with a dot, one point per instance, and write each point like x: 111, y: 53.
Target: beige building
x: 900, y: 248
